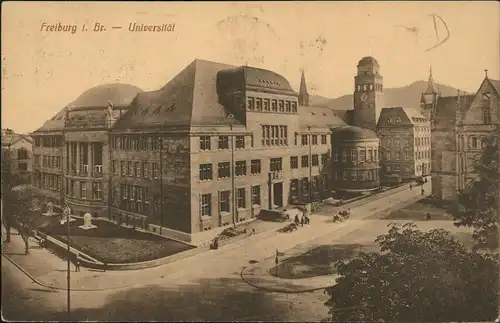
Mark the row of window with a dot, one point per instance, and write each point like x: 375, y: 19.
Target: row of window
x: 47, y: 181
x: 302, y: 187
x: 397, y: 155
x: 274, y: 105
x: 474, y: 142
x: 240, y: 167
x: 224, y: 200
x: 274, y: 135
x: 78, y: 189
x: 354, y: 176
x: 419, y: 141
x: 222, y: 142
x: 314, y: 140
x: 48, y: 161
x: 363, y: 155
x: 135, y: 142
x: 48, y: 141
x: 134, y: 199
x: 397, y: 168
x: 367, y: 87
x: 135, y: 169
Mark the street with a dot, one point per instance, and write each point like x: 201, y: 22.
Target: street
x: 204, y: 287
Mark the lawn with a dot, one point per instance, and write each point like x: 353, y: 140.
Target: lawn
x: 417, y: 212
x: 319, y: 261
x: 111, y: 243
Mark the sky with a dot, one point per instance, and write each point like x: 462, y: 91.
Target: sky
x: 43, y: 71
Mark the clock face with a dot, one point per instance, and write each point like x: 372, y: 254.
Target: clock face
x: 364, y: 97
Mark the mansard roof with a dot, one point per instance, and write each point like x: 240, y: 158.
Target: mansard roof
x: 319, y: 117
x: 400, y: 116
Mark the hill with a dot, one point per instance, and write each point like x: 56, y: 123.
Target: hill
x: 407, y: 96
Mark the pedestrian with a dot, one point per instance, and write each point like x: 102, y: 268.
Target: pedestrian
x: 425, y: 180
x: 302, y: 221
x: 77, y: 264
x: 423, y: 191
x: 410, y: 186
x: 105, y: 267
x: 296, y: 220
x: 428, y: 217
x: 307, y: 220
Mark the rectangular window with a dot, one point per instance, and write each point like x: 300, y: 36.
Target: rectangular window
x: 96, y: 191
x: 258, y: 104
x: 314, y: 139
x: 274, y: 105
x: 369, y: 157
x: 240, y: 142
x: 255, y: 166
x: 353, y: 155
x: 294, y: 189
x: 137, y: 169
x: 294, y: 106
x: 266, y: 104
x: 206, y: 205
x: 323, y: 139
x: 155, y: 170
x: 304, y: 140
x: 256, y: 195
x: 362, y: 155
x: 287, y: 106
x: 275, y: 164
x: 396, y: 142
x: 398, y: 155
x: 205, y: 172
x: 344, y: 155
x: 204, y: 142
x: 241, y: 168
x: 335, y: 156
x: 354, y: 176
x: 241, y: 201
x: 224, y: 170
x: 294, y: 162
x: 130, y: 169
x: 388, y: 155
x: 314, y: 160
x: 83, y: 190
x: 250, y: 103
x: 223, y: 142
x: 324, y: 159
x: 273, y: 135
x: 344, y: 176
x: 304, y: 161
x: 145, y: 170
x: 224, y: 201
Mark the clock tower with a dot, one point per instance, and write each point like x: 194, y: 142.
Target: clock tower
x: 368, y: 94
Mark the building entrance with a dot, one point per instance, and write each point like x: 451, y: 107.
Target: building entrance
x: 278, y: 194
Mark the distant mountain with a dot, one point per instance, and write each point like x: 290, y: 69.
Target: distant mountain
x: 408, y: 96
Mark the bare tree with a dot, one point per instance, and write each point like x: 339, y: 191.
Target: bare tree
x: 25, y: 208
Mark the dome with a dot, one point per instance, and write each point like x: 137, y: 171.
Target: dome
x: 353, y: 133
x: 119, y: 94
x: 368, y: 60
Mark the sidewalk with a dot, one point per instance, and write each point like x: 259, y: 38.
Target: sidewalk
x: 259, y: 275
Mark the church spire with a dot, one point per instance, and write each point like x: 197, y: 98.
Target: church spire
x: 431, y: 87
x: 303, y: 94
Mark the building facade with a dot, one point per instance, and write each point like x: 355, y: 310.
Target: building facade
x: 17, y: 149
x: 71, y: 150
x: 405, y: 139
x: 459, y: 126
x: 355, y: 159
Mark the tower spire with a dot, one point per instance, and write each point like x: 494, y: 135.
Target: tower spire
x: 303, y: 94
x: 431, y: 87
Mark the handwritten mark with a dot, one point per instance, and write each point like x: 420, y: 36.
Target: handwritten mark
x: 116, y: 27
x: 440, y: 42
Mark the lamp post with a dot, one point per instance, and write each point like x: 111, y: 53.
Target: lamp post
x: 310, y: 164
x: 66, y: 217
x: 233, y: 168
x: 160, y: 142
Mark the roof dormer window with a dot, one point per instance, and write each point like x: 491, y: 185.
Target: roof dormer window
x: 398, y: 120
x: 389, y: 120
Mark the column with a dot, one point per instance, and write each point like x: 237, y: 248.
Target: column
x: 70, y: 156
x: 90, y: 159
x: 78, y: 148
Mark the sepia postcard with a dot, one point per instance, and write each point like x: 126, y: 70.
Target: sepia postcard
x: 250, y: 161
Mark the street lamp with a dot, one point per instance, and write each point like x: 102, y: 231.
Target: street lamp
x: 66, y: 217
x: 160, y: 142
x: 310, y: 164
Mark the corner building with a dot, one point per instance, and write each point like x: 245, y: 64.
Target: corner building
x: 218, y: 143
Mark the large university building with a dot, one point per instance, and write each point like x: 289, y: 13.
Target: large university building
x: 211, y: 148
x: 460, y: 125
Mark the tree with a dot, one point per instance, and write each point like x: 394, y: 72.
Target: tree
x: 479, y: 205
x: 417, y: 277
x: 9, y: 181
x: 25, y: 209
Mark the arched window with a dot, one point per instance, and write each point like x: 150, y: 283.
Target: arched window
x: 22, y: 153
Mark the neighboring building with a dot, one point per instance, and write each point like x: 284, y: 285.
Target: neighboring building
x: 459, y: 126
x: 73, y: 147
x: 355, y: 159
x: 17, y: 149
x: 405, y: 138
